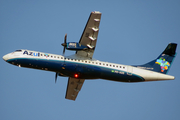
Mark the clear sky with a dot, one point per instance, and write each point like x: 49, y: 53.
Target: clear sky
x: 131, y: 33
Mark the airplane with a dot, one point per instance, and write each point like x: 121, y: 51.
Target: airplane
x: 82, y: 65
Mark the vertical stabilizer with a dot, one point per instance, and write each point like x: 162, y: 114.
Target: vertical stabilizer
x: 163, y: 63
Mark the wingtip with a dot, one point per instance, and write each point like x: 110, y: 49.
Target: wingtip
x: 97, y: 12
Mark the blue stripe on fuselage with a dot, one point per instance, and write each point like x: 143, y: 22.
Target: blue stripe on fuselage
x: 69, y: 68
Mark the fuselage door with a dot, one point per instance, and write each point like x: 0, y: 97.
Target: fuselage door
x: 129, y: 70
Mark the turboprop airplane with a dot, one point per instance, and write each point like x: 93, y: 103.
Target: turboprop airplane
x: 81, y: 65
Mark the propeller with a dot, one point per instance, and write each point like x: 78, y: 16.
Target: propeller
x: 65, y: 43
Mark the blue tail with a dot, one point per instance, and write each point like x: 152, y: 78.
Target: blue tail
x: 163, y: 62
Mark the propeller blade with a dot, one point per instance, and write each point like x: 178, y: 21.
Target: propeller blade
x: 65, y: 37
x: 56, y: 77
x: 64, y: 51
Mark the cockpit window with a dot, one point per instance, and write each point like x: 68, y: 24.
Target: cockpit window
x: 18, y: 50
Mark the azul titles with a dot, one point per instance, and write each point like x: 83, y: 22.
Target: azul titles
x: 35, y: 54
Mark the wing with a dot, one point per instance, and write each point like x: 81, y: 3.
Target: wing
x: 90, y: 34
x: 73, y: 88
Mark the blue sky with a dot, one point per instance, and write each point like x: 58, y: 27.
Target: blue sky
x: 131, y: 33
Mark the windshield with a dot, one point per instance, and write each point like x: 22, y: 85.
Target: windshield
x: 18, y: 50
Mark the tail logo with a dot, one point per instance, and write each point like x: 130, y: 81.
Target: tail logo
x: 163, y: 63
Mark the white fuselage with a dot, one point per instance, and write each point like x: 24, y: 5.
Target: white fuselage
x: 86, y: 68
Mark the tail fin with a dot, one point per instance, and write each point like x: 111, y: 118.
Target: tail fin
x: 163, y: 62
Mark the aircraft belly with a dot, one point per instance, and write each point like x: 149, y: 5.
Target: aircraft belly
x: 42, y: 64
x: 120, y: 76
x: 96, y: 72
x: 83, y: 71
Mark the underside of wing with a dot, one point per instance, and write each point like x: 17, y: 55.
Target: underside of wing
x: 90, y: 34
x: 73, y: 87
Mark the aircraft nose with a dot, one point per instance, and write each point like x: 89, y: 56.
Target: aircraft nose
x: 5, y: 57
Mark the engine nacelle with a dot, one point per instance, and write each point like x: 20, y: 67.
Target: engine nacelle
x: 76, y: 46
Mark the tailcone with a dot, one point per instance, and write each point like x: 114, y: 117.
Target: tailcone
x: 159, y: 77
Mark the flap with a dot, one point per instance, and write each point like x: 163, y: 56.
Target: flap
x: 73, y: 87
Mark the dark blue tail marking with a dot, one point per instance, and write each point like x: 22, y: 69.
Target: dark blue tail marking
x: 163, y: 62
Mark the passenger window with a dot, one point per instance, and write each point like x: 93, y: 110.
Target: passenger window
x: 106, y: 64
x: 99, y: 63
